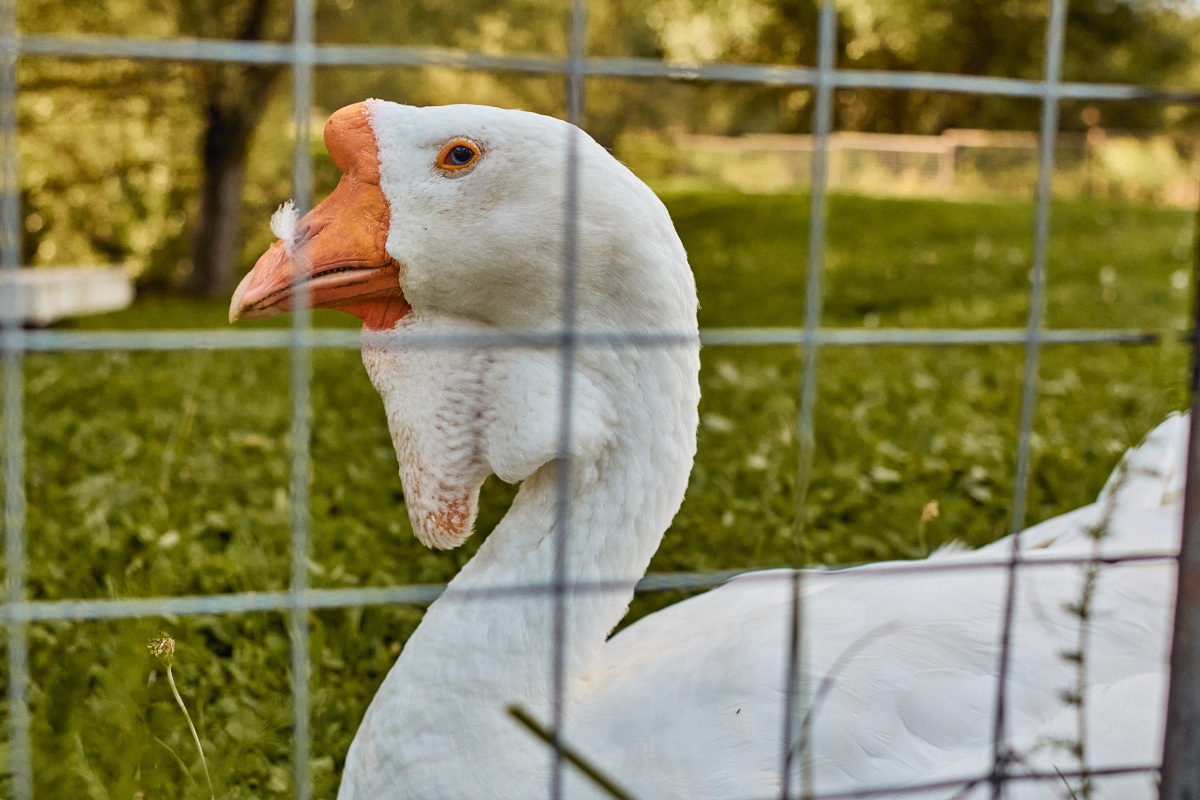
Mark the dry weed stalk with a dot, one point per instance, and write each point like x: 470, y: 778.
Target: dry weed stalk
x: 163, y: 648
x: 1082, y: 610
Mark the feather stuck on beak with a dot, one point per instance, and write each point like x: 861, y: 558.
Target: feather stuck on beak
x: 283, y: 225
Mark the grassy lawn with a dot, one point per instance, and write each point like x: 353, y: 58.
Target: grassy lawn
x: 167, y: 473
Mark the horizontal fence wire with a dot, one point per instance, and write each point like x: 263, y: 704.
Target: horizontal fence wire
x: 345, y: 55
x: 346, y: 338
x: 421, y: 594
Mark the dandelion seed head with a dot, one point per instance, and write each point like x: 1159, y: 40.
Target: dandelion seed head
x: 930, y: 511
x: 162, y: 647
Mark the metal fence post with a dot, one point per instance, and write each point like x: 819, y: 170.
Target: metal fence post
x: 300, y: 379
x: 795, y: 718
x: 1181, y: 751
x: 20, y: 751
x: 1048, y: 133
x: 574, y: 76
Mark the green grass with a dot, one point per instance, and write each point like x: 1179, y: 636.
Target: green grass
x: 167, y: 473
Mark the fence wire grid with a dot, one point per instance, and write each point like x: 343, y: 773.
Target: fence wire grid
x: 1181, y: 765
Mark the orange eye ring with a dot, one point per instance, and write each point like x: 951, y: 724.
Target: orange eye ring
x: 458, y: 154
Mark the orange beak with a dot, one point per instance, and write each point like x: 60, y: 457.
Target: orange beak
x: 338, y: 251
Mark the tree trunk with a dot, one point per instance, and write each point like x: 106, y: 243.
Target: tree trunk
x: 236, y: 97
x: 217, y: 247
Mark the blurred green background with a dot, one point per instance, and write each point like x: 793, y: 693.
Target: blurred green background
x: 134, y: 162
x: 167, y: 473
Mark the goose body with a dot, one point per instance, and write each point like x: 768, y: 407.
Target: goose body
x: 449, y: 222
x: 902, y: 660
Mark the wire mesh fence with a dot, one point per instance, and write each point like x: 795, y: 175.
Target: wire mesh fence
x: 302, y: 55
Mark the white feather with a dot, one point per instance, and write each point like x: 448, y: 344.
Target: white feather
x: 283, y: 223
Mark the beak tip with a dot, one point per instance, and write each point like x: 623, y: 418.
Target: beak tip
x: 235, y: 304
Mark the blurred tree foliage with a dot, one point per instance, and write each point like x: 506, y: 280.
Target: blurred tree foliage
x: 106, y: 146
x: 1142, y: 41
x: 147, y: 145
x: 143, y: 163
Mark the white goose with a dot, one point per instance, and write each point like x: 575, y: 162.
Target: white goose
x: 450, y: 219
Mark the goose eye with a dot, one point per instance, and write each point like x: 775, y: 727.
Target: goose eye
x: 458, y: 155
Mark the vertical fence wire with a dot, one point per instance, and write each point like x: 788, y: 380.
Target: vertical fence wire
x: 574, y: 85
x: 1048, y: 132
x: 795, y: 720
x: 300, y: 378
x: 1181, y: 748
x: 822, y: 125
x: 20, y: 760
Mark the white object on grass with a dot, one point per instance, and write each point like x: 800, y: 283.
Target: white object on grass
x: 48, y: 294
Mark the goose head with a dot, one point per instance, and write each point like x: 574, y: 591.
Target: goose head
x: 451, y: 220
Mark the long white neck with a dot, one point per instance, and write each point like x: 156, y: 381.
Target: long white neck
x: 490, y: 641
